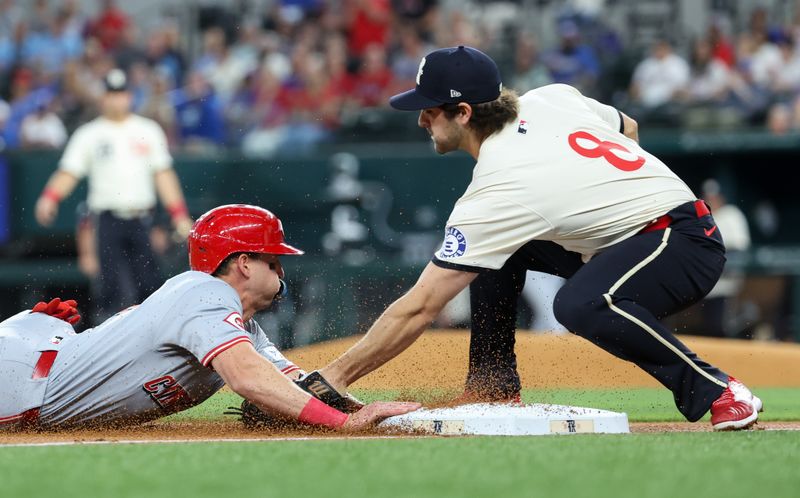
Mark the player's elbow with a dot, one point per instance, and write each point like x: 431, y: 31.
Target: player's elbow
x: 630, y: 127
x: 244, y: 387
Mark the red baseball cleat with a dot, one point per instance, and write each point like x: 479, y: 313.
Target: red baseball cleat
x: 736, y: 408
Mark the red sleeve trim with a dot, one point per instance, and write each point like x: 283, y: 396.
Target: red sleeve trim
x: 290, y: 369
x: 222, y: 347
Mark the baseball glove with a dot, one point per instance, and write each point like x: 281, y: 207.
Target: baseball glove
x: 316, y: 385
x: 253, y: 418
x: 313, y: 383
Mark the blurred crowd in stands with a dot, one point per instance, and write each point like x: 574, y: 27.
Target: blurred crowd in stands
x: 289, y: 76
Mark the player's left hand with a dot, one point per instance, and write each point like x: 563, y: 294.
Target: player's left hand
x: 316, y: 385
x: 375, y: 412
x: 63, y: 310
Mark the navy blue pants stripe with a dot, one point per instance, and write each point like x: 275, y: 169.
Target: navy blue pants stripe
x: 616, y: 301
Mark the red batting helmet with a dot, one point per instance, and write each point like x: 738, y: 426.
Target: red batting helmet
x: 235, y: 228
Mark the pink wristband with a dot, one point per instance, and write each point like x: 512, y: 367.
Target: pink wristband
x: 51, y: 194
x: 318, y: 413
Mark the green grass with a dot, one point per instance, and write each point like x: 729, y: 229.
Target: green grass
x: 643, y: 465
x: 641, y: 405
x: 732, y: 465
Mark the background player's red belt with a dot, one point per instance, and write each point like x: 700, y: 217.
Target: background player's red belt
x: 662, y: 222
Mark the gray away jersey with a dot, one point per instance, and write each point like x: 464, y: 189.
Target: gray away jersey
x: 153, y: 359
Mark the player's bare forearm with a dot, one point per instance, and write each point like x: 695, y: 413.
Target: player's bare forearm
x: 399, y: 326
x: 251, y: 376
x: 62, y: 183
x: 169, y: 188
x: 59, y: 186
x: 630, y: 127
x: 395, y: 330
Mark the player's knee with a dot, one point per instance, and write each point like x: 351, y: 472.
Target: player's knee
x: 575, y: 310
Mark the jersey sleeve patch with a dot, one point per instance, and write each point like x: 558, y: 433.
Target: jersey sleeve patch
x: 236, y: 320
x: 224, y: 347
x: 454, y: 245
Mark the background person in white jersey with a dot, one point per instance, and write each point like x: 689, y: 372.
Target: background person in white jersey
x: 175, y: 349
x: 560, y: 186
x: 126, y: 160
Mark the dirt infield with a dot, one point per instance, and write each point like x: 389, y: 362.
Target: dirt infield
x: 439, y: 359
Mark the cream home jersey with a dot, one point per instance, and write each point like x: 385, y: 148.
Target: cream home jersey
x: 153, y: 359
x: 562, y: 172
x: 120, y: 160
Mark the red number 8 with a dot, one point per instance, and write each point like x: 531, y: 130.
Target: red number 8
x: 605, y: 150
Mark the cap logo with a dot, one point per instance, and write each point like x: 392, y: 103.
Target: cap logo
x: 419, y: 71
x: 454, y: 93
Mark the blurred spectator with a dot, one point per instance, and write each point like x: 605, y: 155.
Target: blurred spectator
x: 709, y: 80
x: 82, y: 84
x: 659, y: 77
x: 409, y: 50
x: 460, y: 30
x: 10, y: 15
x: 158, y: 105
x: 721, y: 46
x: 128, y: 50
x: 200, y: 121
x: 529, y: 71
x: 372, y: 83
x: 573, y: 62
x: 163, y: 54
x: 311, y: 102
x: 336, y: 65
x: 421, y: 14
x: 239, y: 116
x: 786, y: 80
x: 220, y: 66
x: 367, y: 22
x: 718, y: 314
x: 43, y: 129
x: 26, y: 97
x: 783, y: 118
x: 759, y: 59
x: 140, y: 83
x: 74, y: 19
x: 109, y: 25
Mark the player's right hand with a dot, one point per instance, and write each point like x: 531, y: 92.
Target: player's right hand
x: 378, y: 411
x: 46, y: 211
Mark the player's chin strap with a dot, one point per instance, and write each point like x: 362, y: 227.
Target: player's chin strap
x: 283, y: 290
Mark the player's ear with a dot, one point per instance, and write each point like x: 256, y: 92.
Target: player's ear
x: 464, y: 113
x: 243, y: 262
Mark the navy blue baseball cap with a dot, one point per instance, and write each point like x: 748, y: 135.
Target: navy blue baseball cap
x: 449, y: 76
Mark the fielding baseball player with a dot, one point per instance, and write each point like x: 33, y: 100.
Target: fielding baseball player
x: 561, y: 186
x: 175, y: 349
x: 126, y: 160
